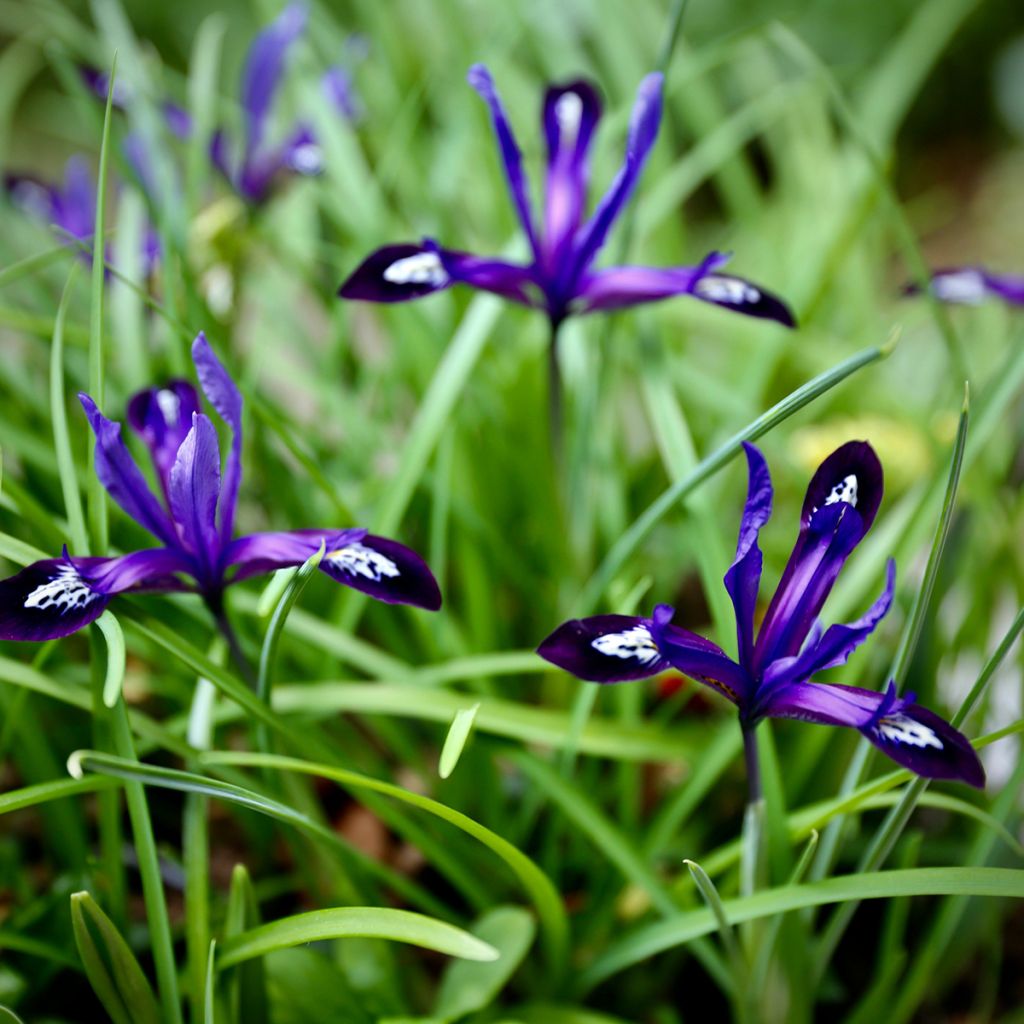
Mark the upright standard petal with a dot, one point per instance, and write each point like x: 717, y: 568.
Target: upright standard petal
x: 384, y: 569
x: 263, y: 68
x: 643, y: 130
x: 743, y: 578
x: 193, y: 492
x: 911, y: 735
x: 397, y: 273
x: 605, y: 649
x: 223, y: 394
x: 162, y: 417
x: 123, y: 479
x: 571, y: 114
x: 480, y: 79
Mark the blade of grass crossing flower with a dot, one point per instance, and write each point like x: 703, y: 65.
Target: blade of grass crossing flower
x: 96, y: 496
x: 455, y: 741
x: 354, y: 922
x: 641, y: 527
x: 538, y: 886
x: 61, y: 436
x: 268, y: 651
x: 111, y: 967
x: 998, y: 883
x: 911, y: 631
x: 9, y: 1016
x: 114, y: 637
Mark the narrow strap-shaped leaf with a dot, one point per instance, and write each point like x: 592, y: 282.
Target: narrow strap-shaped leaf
x: 455, y: 741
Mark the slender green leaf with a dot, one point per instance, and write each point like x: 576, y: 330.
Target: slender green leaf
x: 455, y: 741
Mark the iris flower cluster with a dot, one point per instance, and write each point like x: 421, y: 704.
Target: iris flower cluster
x: 772, y: 675
x: 193, y: 521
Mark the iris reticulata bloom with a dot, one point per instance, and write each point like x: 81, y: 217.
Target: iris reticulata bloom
x: 560, y: 277
x: 772, y: 676
x: 972, y: 285
x: 193, y: 523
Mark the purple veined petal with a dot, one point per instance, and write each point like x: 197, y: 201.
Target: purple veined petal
x: 699, y: 658
x: 223, y: 394
x: 397, y: 273
x: 264, y: 66
x: 122, y: 478
x: 47, y: 600
x: 384, y: 569
x: 509, y: 280
x: 743, y: 296
x: 605, y: 649
x: 838, y: 642
x: 620, y: 287
x: 571, y: 114
x: 911, y: 735
x: 839, y: 507
x: 643, y: 130
x: 149, y: 569
x: 259, y: 553
x: 1009, y: 287
x: 512, y: 159
x: 743, y: 578
x: 193, y: 490
x: 162, y: 417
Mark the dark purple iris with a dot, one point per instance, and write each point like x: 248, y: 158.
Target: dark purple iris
x: 193, y: 521
x: 70, y: 207
x: 560, y: 277
x: 972, y: 285
x: 772, y: 676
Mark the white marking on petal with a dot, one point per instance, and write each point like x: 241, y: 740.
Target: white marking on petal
x: 568, y: 114
x: 169, y: 404
x: 845, y: 490
x: 66, y: 592
x: 903, y: 729
x: 731, y: 290
x: 307, y: 158
x: 359, y: 560
x: 423, y: 268
x: 962, y: 286
x: 635, y: 642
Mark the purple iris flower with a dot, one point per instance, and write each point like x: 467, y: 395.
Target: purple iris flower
x: 972, y: 285
x: 560, y: 277
x: 70, y: 207
x: 193, y: 523
x: 772, y: 676
x: 261, y: 163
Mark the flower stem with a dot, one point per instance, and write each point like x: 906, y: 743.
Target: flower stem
x: 215, y: 602
x: 752, y: 867
x: 555, y: 412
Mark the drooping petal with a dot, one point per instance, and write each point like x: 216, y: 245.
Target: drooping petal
x: 911, y: 735
x: 571, y: 114
x: 223, y: 394
x: 605, y: 649
x: 123, y: 479
x: 193, y: 490
x: 58, y: 596
x: 620, y: 287
x: 838, y: 642
x: 384, y: 569
x: 743, y: 578
x: 263, y: 68
x: 512, y: 159
x: 972, y: 285
x: 162, y: 417
x: 839, y: 507
x: 259, y: 553
x: 699, y: 658
x: 509, y: 280
x: 397, y: 273
x: 643, y: 130
x: 743, y: 296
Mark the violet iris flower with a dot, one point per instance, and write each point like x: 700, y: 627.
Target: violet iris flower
x: 772, y: 676
x: 560, y: 277
x: 194, y: 522
x: 972, y: 285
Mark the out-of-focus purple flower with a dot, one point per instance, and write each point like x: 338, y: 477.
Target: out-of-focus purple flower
x: 972, y: 285
x: 193, y: 522
x: 561, y: 278
x: 771, y: 677
x: 69, y: 207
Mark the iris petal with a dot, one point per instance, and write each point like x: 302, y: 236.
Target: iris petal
x: 604, y: 649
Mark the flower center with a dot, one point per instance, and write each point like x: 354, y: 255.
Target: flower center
x: 726, y: 289
x: 903, y: 729
x: 635, y: 642
x: 845, y: 490
x: 66, y: 592
x: 965, y: 286
x: 359, y: 560
x: 169, y: 404
x: 569, y: 114
x: 423, y: 268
